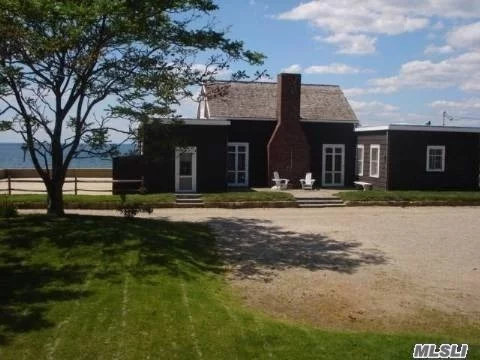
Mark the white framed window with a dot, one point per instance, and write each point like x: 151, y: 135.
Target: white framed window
x: 237, y: 164
x: 375, y: 161
x: 436, y: 158
x: 360, y: 159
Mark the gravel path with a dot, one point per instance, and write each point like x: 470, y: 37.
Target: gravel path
x: 384, y: 268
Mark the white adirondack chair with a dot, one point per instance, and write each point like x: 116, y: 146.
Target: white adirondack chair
x: 280, y: 184
x: 307, y: 183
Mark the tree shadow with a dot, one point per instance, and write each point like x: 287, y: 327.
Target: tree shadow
x: 44, y: 261
x: 257, y: 248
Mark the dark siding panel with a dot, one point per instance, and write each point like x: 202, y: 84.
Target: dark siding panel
x: 211, y: 142
x: 256, y: 133
x: 328, y: 133
x: 409, y: 159
x: 367, y: 139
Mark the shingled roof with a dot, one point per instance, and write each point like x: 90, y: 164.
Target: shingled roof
x: 257, y: 100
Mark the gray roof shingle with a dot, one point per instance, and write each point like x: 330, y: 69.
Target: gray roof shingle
x: 257, y: 100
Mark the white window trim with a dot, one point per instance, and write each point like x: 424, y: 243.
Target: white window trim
x: 193, y: 151
x: 247, y: 169
x: 435, y: 147
x: 360, y: 171
x: 377, y: 175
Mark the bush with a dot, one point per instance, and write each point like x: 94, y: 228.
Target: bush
x: 7, y: 208
x: 130, y: 210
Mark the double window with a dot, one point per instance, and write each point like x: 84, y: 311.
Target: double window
x: 435, y: 158
x: 375, y: 161
x: 360, y: 157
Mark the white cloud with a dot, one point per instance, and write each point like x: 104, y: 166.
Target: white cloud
x: 353, y: 92
x: 370, y: 107
x: 294, y: 68
x: 334, y: 68
x: 378, y: 113
x: 434, y: 49
x: 462, y: 71
x: 468, y: 105
x: 467, y: 36
x: 343, y: 19
x: 359, y: 44
x: 372, y: 16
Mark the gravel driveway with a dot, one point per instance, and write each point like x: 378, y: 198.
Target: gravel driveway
x: 382, y: 268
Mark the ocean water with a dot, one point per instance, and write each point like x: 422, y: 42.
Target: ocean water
x: 12, y: 156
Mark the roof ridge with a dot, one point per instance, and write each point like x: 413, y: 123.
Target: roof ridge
x: 264, y: 82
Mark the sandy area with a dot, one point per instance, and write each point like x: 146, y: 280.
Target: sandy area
x: 387, y: 268
x: 85, y: 186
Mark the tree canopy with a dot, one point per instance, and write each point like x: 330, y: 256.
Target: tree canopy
x: 60, y: 60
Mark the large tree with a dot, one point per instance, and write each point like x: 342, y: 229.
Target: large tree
x: 61, y: 60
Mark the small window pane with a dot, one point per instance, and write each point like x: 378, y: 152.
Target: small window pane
x: 231, y: 149
x: 328, y: 178
x: 242, y: 149
x: 338, y: 162
x: 328, y: 165
x: 338, y: 178
x: 231, y: 162
x: 242, y: 177
x: 231, y: 177
x: 241, y: 162
x: 186, y: 164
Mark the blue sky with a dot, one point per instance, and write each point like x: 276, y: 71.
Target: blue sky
x: 398, y: 61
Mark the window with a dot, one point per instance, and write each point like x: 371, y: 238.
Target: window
x: 360, y: 152
x: 436, y: 158
x: 237, y: 164
x: 375, y: 161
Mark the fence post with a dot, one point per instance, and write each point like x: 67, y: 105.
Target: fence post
x: 76, y: 187
x: 9, y: 185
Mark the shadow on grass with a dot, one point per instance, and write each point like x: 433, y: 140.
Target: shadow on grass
x: 257, y: 247
x: 46, y: 260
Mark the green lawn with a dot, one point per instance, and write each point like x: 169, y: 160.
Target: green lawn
x: 154, y: 200
x: 460, y: 197
x: 91, y: 201
x: 244, y: 196
x: 107, y: 288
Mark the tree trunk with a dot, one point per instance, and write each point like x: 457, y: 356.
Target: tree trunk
x: 55, y: 198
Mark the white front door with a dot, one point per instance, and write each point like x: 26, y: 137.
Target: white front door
x: 333, y: 165
x: 237, y: 164
x: 186, y: 169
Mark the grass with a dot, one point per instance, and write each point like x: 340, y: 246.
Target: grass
x: 104, y: 288
x: 451, y: 197
x: 91, y: 201
x: 153, y: 200
x: 246, y: 196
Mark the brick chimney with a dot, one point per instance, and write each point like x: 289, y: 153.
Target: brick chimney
x: 288, y: 149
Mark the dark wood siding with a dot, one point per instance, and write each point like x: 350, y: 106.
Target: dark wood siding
x: 159, y: 161
x: 319, y: 134
x: 256, y: 133
x: 367, y: 139
x: 408, y: 153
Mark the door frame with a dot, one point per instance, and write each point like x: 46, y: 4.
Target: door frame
x: 247, y: 170
x: 324, y: 156
x: 181, y: 150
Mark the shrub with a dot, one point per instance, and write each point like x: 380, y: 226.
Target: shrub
x: 7, y: 208
x: 130, y: 210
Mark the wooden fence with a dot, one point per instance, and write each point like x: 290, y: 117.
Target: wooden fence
x: 10, y: 181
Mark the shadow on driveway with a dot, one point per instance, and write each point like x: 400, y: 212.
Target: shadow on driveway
x: 256, y: 248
